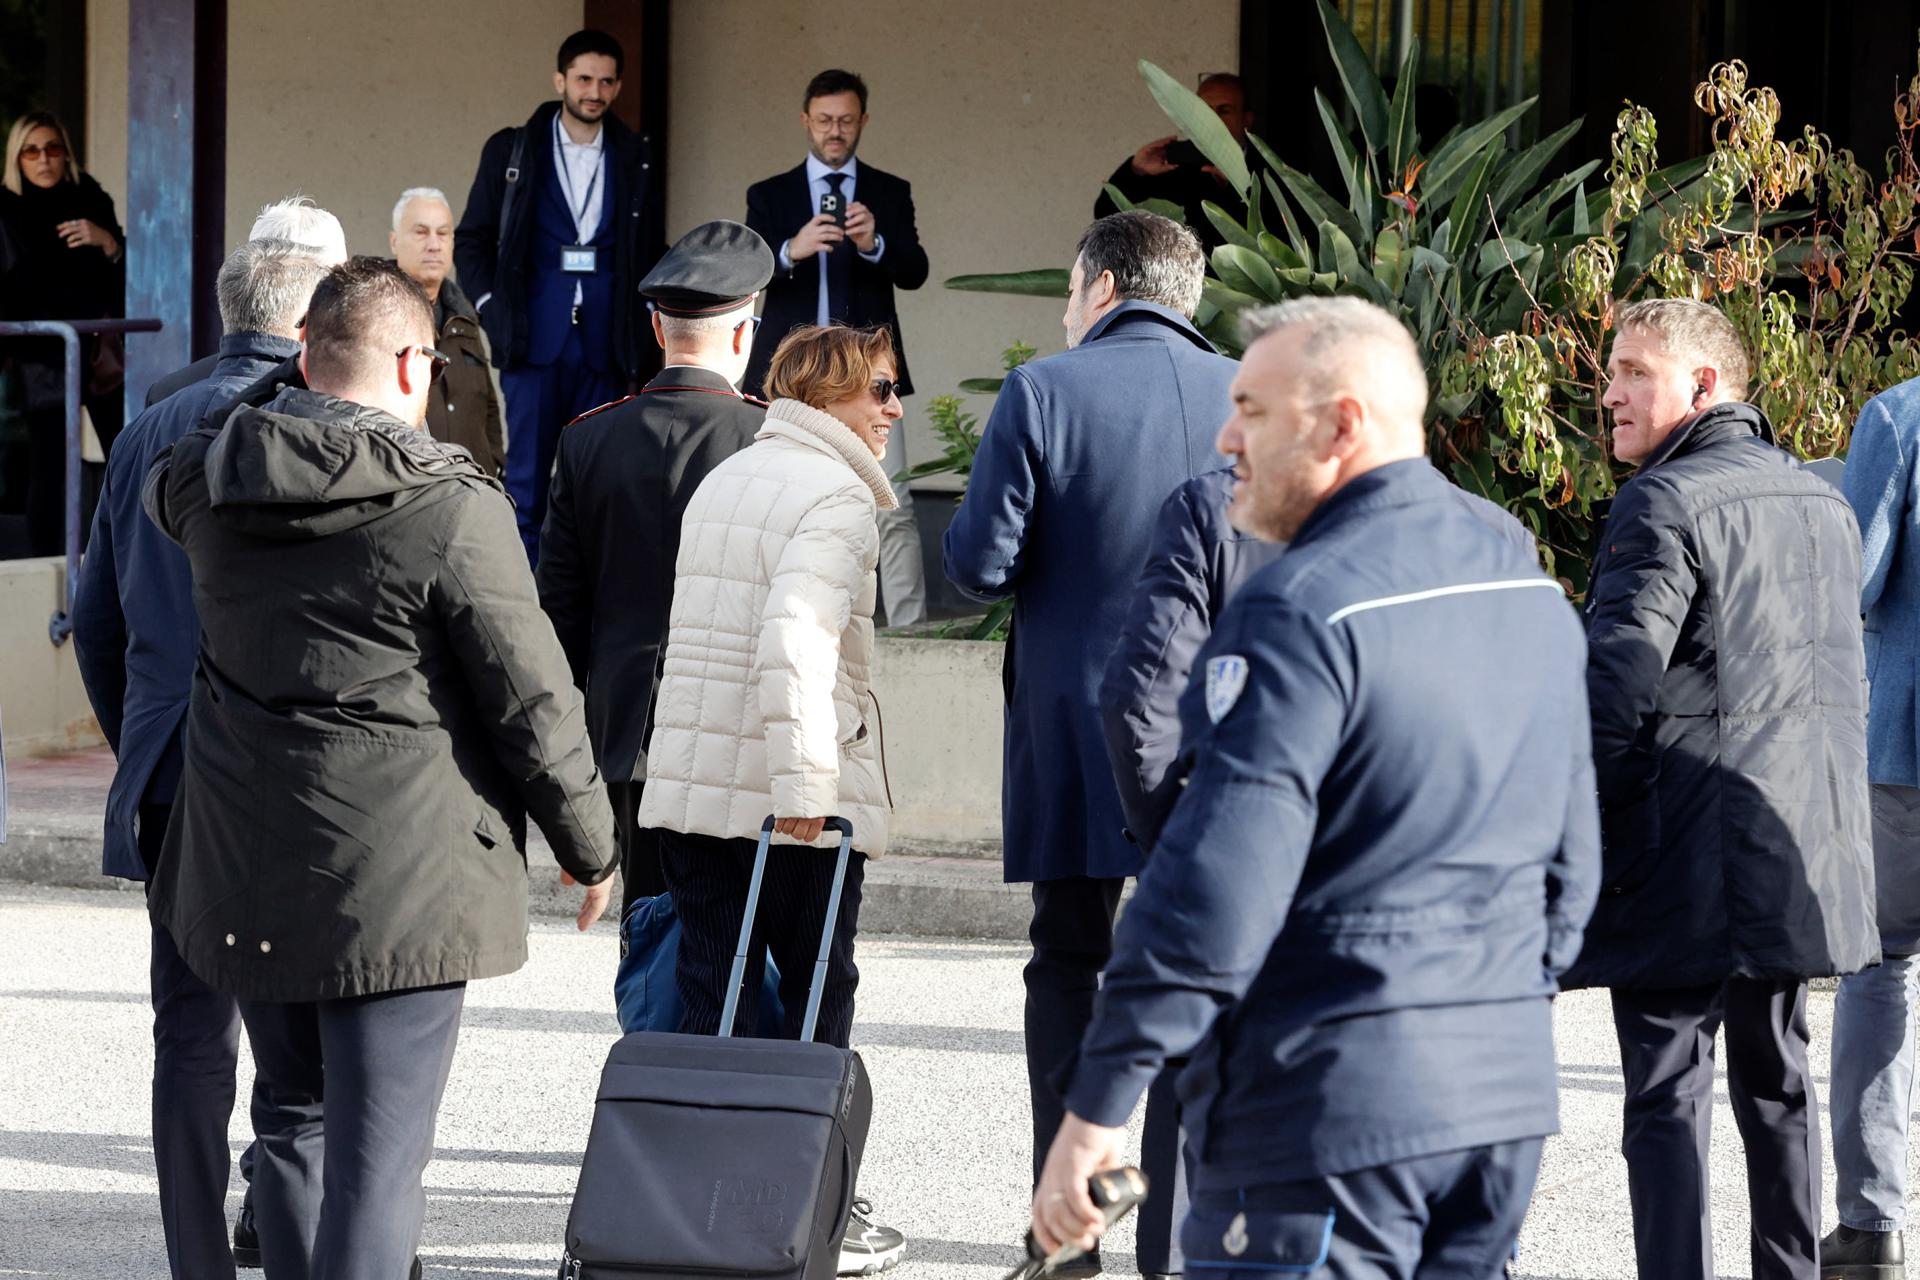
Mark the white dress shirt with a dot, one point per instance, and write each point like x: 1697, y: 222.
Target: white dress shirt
x: 579, y: 168
x: 818, y: 186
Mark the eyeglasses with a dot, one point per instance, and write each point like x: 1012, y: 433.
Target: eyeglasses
x: 884, y: 389
x: 752, y: 326
x: 440, y: 360
x: 52, y: 151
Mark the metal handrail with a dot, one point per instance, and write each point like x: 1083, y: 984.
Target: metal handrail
x: 60, y: 626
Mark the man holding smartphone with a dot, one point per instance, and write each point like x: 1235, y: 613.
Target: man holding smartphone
x: 1172, y: 168
x: 843, y: 239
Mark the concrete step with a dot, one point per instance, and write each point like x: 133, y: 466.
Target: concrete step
x: 53, y: 838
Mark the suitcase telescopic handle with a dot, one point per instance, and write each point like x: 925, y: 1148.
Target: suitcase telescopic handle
x: 819, y: 985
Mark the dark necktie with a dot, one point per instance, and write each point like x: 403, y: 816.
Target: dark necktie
x: 838, y: 264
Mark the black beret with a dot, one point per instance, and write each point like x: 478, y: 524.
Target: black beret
x: 713, y: 268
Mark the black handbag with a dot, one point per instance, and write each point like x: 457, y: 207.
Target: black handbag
x: 716, y: 1155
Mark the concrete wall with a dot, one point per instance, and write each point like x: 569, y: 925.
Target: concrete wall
x: 43, y: 706
x: 940, y: 708
x: 1005, y: 115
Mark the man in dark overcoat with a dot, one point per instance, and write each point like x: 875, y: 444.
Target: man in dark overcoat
x: 1080, y: 452
x: 1727, y: 682
x: 621, y: 481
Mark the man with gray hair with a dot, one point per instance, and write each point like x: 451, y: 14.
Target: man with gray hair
x: 295, y: 220
x: 1727, y: 680
x: 1080, y: 452
x: 1354, y: 915
x: 463, y: 407
x: 622, y: 476
x: 135, y: 631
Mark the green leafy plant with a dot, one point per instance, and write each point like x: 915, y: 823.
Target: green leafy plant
x: 1507, y: 276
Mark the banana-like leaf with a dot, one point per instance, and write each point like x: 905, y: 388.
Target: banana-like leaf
x: 1201, y: 123
x: 1357, y: 75
x: 1227, y: 270
x: 1292, y: 224
x: 1400, y: 115
x: 1320, y: 206
x: 1337, y: 252
x: 1390, y: 260
x: 997, y: 617
x: 1050, y: 282
x: 1526, y: 168
x: 1582, y: 223
x: 1279, y: 252
x: 1451, y: 164
x: 1344, y: 155
x: 981, y: 386
x: 1530, y: 217
x: 1230, y: 260
x: 1229, y: 228
x: 1495, y: 254
x: 1469, y: 213
x: 1119, y: 197
x: 1165, y: 208
x: 1226, y: 298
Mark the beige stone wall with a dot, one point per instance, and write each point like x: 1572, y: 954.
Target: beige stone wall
x: 1005, y: 115
x: 43, y: 705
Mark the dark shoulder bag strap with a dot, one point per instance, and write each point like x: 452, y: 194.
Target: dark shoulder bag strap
x: 513, y: 177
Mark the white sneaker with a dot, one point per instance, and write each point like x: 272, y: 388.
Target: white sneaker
x: 867, y: 1248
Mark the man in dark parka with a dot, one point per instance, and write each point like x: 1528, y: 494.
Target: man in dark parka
x: 1080, y: 452
x: 378, y: 706
x: 1727, y: 685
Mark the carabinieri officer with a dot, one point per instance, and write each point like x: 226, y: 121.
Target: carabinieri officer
x: 621, y: 479
x: 1387, y: 848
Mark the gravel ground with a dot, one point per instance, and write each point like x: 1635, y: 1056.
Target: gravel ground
x: 939, y: 1025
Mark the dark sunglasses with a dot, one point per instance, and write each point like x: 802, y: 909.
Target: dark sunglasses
x: 52, y: 151
x: 884, y: 389
x: 440, y: 360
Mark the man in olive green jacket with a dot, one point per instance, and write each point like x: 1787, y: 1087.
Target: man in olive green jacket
x: 463, y: 405
x: 378, y: 705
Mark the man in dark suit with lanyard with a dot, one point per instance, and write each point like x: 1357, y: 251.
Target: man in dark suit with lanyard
x: 621, y: 480
x: 563, y: 219
x: 843, y: 239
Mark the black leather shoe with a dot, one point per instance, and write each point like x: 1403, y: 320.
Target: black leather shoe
x: 246, y: 1240
x: 1847, y: 1254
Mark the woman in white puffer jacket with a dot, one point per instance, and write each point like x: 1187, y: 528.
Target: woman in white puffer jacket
x: 764, y: 703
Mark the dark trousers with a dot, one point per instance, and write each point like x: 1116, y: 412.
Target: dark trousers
x: 1072, y: 936
x: 541, y: 399
x: 1666, y: 1054
x: 640, y: 873
x: 356, y: 1087
x: 196, y: 1048
x: 1453, y: 1216
x: 708, y: 878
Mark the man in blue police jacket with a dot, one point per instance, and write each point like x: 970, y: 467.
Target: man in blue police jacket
x: 1080, y: 453
x: 136, y: 636
x: 1387, y: 849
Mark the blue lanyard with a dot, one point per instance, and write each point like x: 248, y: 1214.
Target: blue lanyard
x: 566, y: 181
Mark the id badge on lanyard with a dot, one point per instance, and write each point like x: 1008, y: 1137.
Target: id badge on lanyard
x: 576, y: 259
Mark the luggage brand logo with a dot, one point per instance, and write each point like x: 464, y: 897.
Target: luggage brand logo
x: 748, y: 1206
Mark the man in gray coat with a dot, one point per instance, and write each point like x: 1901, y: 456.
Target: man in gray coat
x: 377, y: 707
x: 1873, y: 1017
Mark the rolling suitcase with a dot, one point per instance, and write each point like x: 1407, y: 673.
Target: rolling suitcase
x: 715, y: 1155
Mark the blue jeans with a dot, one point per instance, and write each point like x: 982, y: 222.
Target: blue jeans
x: 1872, y: 1090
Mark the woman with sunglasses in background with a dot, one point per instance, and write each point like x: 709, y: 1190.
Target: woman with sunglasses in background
x: 63, y: 261
x: 765, y: 705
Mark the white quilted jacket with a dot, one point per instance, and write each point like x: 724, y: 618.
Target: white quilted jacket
x: 764, y: 703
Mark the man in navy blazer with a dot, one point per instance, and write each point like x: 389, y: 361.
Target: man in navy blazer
x: 1081, y: 451
x: 563, y: 221
x: 843, y: 239
x: 136, y: 637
